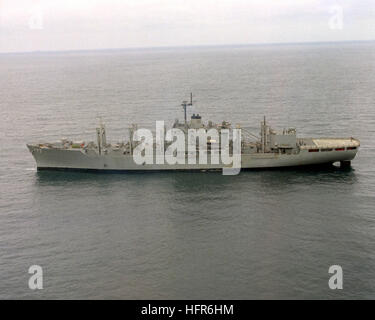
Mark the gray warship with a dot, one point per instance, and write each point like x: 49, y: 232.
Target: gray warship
x: 270, y: 149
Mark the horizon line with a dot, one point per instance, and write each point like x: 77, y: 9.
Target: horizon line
x: 188, y: 46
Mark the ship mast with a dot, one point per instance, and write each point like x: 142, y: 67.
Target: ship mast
x: 263, y: 134
x: 185, y: 104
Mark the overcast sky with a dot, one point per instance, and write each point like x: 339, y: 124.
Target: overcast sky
x: 29, y: 25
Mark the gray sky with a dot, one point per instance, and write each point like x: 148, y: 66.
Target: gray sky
x: 29, y: 25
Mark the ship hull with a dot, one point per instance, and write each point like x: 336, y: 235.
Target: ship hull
x: 77, y: 159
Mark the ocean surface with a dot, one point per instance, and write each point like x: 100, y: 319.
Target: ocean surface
x: 261, y: 234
